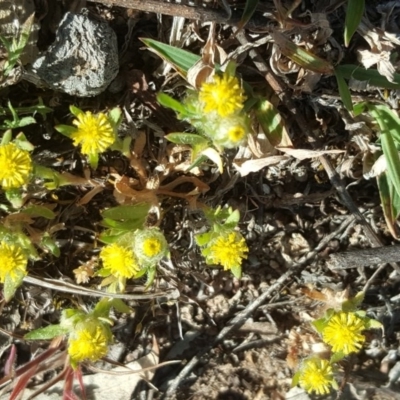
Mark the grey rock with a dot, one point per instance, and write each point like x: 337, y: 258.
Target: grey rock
x: 83, y: 60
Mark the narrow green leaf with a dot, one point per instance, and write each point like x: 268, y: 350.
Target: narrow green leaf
x: 300, y: 56
x: 190, y: 139
x: 49, y: 332
x: 131, y: 212
x: 203, y: 239
x: 237, y: 271
x: 75, y: 110
x: 354, y: 14
x: 336, y: 357
x: 181, y: 60
x: 272, y: 124
x: 170, y: 102
x: 66, y: 130
x: 39, y: 211
x: 390, y: 126
x: 115, y: 117
x: 344, y: 90
x: 233, y: 219
x: 373, y: 77
x: 390, y: 202
x: 130, y: 225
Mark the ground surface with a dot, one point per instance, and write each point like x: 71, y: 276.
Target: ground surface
x: 291, y: 216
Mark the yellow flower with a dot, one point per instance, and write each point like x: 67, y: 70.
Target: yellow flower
x: 236, y: 134
x: 94, y: 133
x: 344, y: 332
x: 150, y: 246
x: 228, y: 250
x: 15, y: 166
x: 224, y: 95
x: 13, y: 262
x: 119, y: 260
x: 316, y: 375
x: 89, y: 343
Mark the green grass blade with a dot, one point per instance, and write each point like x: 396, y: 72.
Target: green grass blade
x: 354, y: 13
x: 373, y: 77
x: 390, y: 202
x: 181, y: 60
x: 388, y: 123
x: 344, y: 91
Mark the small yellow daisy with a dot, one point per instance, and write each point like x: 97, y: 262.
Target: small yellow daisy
x: 15, y: 166
x: 344, y: 332
x: 119, y: 260
x: 150, y: 245
x: 13, y: 262
x: 223, y: 95
x: 93, y: 132
x: 90, y: 343
x: 228, y: 250
x: 236, y: 134
x: 316, y: 375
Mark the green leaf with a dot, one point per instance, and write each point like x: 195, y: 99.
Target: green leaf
x: 6, y: 138
x: 151, y: 274
x: 115, y: 117
x: 49, y: 332
x: 75, y: 111
x: 237, y: 271
x: 295, y: 379
x: 39, y: 211
x: 389, y: 123
x: 50, y: 244
x: 354, y: 14
x: 353, y: 303
x: 93, y: 160
x: 320, y: 324
x: 126, y: 213
x: 232, y: 221
x: 181, y: 60
x: 272, y: 124
x: 11, y: 285
x: 170, y: 102
x: 373, y: 77
x: 336, y: 357
x: 66, y: 130
x: 120, y: 306
x: 390, y: 202
x: 300, y: 56
x: 190, y: 139
x: 202, y: 239
x: 373, y: 324
x: 344, y: 91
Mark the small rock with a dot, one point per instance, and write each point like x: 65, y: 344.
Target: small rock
x: 83, y: 60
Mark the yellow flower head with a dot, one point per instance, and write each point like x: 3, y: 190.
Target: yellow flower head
x: 150, y: 245
x: 236, y: 134
x: 228, y: 250
x: 316, y: 375
x: 93, y: 132
x: 13, y: 262
x: 15, y: 166
x: 223, y: 95
x: 89, y: 343
x: 344, y: 332
x: 119, y: 260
